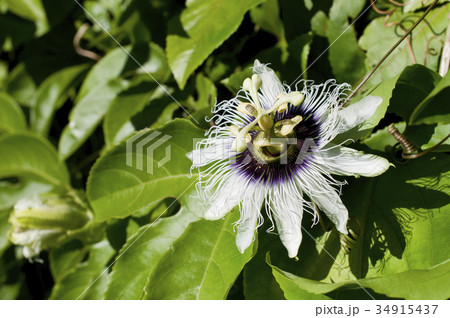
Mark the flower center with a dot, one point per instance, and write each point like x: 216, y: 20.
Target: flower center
x: 270, y: 146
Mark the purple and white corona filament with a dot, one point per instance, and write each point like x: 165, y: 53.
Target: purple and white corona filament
x: 272, y: 145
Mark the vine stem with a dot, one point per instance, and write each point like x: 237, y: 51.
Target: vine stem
x: 389, y: 53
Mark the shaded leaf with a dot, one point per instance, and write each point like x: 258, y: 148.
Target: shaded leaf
x: 267, y: 16
x: 89, y: 279
x: 66, y: 258
x: 201, y: 20
x: 30, y: 9
x: 52, y: 94
x: 413, y: 284
x: 433, y: 108
x: 291, y: 288
x: 4, y: 228
x: 413, y: 85
x: 86, y: 115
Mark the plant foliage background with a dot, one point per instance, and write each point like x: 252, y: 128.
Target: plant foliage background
x: 64, y: 119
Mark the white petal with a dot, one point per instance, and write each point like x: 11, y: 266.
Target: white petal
x: 219, y: 148
x: 358, y: 113
x: 331, y: 204
x: 290, y: 231
x: 350, y: 162
x: 228, y: 196
x: 287, y: 210
x: 250, y: 213
x: 271, y: 85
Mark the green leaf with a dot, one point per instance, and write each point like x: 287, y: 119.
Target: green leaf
x: 404, y: 229
x: 423, y: 136
x: 316, y: 258
x: 346, y: 58
x: 267, y: 16
x: 52, y: 94
x: 86, y: 116
x: 66, y: 258
x: 116, y: 189
x: 234, y: 82
x: 413, y: 85
x: 290, y: 286
x: 412, y: 284
x: 11, y: 116
x: 4, y: 228
x: 299, y: 49
x: 400, y: 95
x: 440, y: 132
x: 433, y: 108
x: 108, y: 68
x: 89, y: 279
x: 102, y: 86
x: 424, y: 39
x: 259, y: 282
x: 20, y: 85
x: 206, y: 91
x: 129, y: 102
x: 123, y: 61
x: 203, y: 263
x: 35, y: 164
x: 142, y: 252
x: 203, y: 23
x: 31, y: 10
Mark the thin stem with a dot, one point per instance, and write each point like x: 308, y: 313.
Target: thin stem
x: 389, y: 52
x: 76, y: 44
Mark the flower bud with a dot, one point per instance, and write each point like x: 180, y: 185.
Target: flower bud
x: 46, y: 221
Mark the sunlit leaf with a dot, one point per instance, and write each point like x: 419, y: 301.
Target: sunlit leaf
x: 11, y: 116
x: 154, y: 166
x: 33, y: 162
x: 202, y: 264
x: 142, y: 252
x: 426, y: 37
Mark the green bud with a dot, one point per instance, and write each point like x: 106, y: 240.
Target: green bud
x: 46, y: 221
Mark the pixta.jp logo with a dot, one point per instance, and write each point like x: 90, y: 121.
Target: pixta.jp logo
x: 141, y: 151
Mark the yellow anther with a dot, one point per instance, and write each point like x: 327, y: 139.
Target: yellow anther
x: 295, y: 98
x: 283, y: 108
x: 257, y: 82
x: 265, y: 122
x: 248, y: 109
x: 252, y: 86
x: 247, y: 85
x: 288, y: 125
